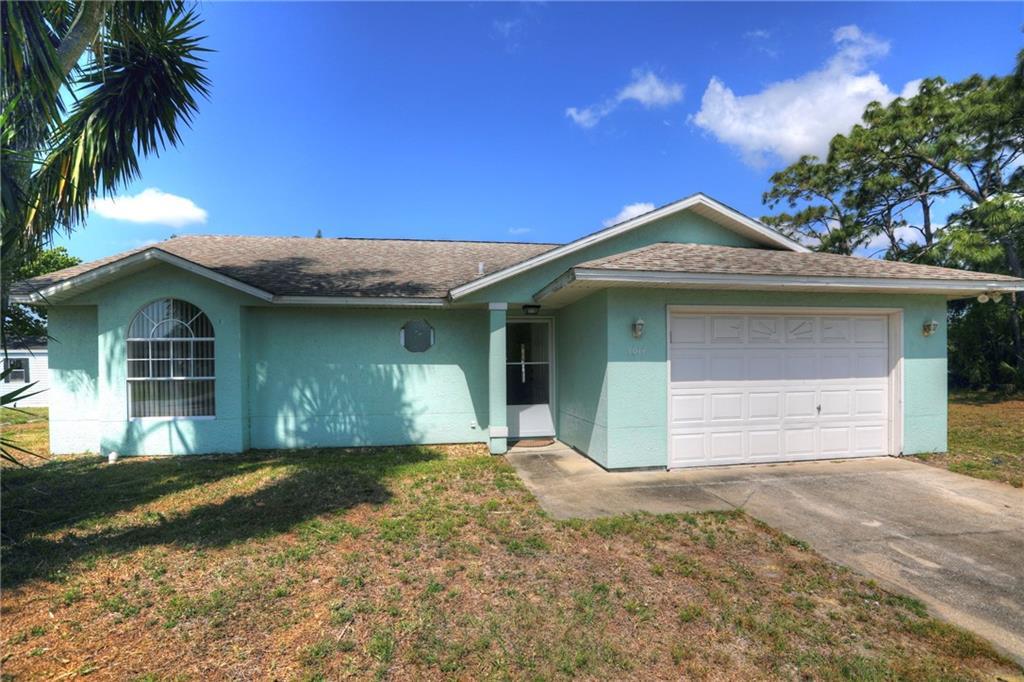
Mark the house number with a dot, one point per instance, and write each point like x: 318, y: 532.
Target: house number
x: 638, y: 350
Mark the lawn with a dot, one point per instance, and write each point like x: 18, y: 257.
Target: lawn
x: 27, y: 428
x: 420, y: 563
x: 986, y: 438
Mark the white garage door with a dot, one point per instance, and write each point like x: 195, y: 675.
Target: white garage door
x: 777, y: 388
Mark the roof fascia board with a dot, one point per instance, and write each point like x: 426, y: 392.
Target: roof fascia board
x: 111, y: 270
x: 362, y: 301
x: 615, y: 230
x: 781, y: 282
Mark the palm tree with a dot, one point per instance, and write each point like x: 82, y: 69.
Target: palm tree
x: 89, y: 87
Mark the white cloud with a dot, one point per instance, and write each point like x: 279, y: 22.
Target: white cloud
x: 510, y: 32
x: 630, y: 211
x: 151, y: 206
x: 758, y: 40
x: 506, y: 27
x: 645, y: 88
x: 519, y: 230
x: 800, y: 116
x: 906, y: 233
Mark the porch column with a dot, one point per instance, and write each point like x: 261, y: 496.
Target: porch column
x: 498, y: 414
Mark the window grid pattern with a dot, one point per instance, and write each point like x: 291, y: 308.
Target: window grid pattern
x: 18, y: 371
x: 171, y: 361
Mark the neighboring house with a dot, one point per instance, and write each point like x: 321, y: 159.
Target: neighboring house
x: 691, y: 335
x: 30, y: 365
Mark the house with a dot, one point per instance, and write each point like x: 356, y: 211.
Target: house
x: 691, y: 335
x: 29, y: 364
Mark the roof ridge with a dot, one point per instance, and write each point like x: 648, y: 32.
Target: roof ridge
x: 369, y: 239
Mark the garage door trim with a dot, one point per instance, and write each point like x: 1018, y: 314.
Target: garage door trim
x: 894, y: 318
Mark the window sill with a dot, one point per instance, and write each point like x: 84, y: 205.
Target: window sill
x: 171, y: 419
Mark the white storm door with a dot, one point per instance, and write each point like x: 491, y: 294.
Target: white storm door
x: 751, y: 388
x: 528, y: 376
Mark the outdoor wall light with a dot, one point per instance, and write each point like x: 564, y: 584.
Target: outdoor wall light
x: 986, y: 296
x: 638, y: 328
x: 930, y: 327
x: 531, y: 309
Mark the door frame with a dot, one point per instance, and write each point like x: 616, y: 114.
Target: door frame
x: 894, y: 322
x: 552, y: 382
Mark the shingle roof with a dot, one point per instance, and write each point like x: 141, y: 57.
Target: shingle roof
x: 729, y: 260
x: 293, y: 266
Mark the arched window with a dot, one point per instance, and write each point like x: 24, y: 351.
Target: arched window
x: 170, y: 361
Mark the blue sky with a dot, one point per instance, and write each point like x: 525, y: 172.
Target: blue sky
x: 532, y: 122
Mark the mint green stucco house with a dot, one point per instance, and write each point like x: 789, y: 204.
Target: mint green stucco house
x: 691, y: 335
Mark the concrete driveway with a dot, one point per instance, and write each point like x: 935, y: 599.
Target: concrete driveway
x: 956, y: 543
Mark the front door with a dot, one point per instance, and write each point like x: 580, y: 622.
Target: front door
x: 528, y: 365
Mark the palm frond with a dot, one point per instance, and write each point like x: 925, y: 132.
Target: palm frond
x: 135, y: 103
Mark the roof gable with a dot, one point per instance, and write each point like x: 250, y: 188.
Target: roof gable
x: 699, y: 204
x: 721, y: 267
x: 301, y: 270
x: 84, y: 277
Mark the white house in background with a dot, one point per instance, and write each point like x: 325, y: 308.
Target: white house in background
x: 30, y: 361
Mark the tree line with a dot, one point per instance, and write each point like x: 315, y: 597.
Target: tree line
x: 937, y: 178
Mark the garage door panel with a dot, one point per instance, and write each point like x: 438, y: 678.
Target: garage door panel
x: 870, y: 440
x: 777, y: 387
x: 801, y: 366
x: 834, y: 403
x: 727, y: 445
x: 688, y: 329
x: 835, y: 330
x: 689, y: 367
x: 726, y: 406
x: 836, y: 365
x: 763, y: 330
x: 835, y: 441
x: 688, y: 449
x: 872, y: 365
x: 799, y: 442
x: 799, y: 329
x: 800, y: 404
x: 870, y: 330
x: 728, y: 329
x: 765, y: 445
x: 727, y: 367
x: 688, y: 408
x: 764, y: 405
x: 762, y: 366
x: 870, y: 401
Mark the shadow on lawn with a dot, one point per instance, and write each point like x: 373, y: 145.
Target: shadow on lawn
x: 74, y: 501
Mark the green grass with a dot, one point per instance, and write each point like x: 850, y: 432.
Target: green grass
x: 26, y: 427
x: 986, y: 438
x: 435, y: 562
x: 22, y: 415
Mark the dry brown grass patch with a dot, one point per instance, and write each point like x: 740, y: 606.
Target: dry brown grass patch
x: 421, y: 563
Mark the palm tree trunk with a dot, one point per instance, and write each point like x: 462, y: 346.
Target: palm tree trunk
x: 81, y: 34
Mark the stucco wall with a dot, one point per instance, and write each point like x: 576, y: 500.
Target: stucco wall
x: 115, y: 305
x: 74, y: 379
x: 581, y: 363
x: 330, y: 376
x: 637, y: 369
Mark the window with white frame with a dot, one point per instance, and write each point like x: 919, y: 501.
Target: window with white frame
x: 17, y: 371
x: 170, y: 361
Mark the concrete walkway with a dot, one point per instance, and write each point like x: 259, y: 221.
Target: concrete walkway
x: 954, y: 542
